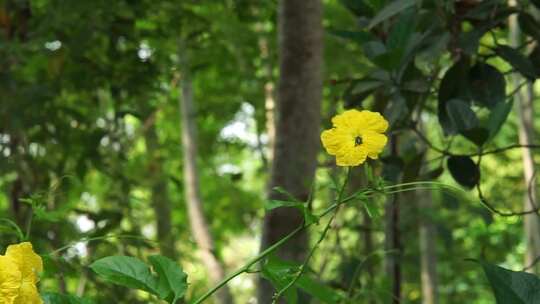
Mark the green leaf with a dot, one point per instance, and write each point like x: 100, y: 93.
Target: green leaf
x: 319, y: 291
x: 517, y: 60
x: 497, y: 117
x: 529, y: 26
x: 512, y: 287
x: 461, y: 115
x: 285, y: 193
x: 396, y: 111
x: 432, y: 174
x: 392, y: 9
x: 464, y: 170
x: 359, y: 8
x: 401, y: 33
x: 126, y: 271
x: 56, y: 298
x: 273, y: 204
x: 487, y: 85
x: 536, y: 3
x: 534, y: 57
x: 360, y: 37
x: 453, y: 85
x: 477, y: 135
x: 280, y: 273
x: 171, y: 278
x: 358, y: 90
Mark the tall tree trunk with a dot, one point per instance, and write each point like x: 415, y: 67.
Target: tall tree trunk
x: 428, y: 255
x: 524, y: 105
x: 297, y: 124
x: 160, y: 198
x: 392, y: 241
x: 199, y: 226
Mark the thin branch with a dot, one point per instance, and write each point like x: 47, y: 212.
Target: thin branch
x: 530, y: 266
x: 423, y: 138
x: 492, y: 208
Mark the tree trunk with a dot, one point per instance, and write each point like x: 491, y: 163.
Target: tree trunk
x: 524, y: 105
x: 392, y: 241
x: 199, y: 226
x: 297, y: 124
x: 160, y: 198
x: 428, y: 255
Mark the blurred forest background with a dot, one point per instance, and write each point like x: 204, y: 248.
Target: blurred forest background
x: 137, y: 127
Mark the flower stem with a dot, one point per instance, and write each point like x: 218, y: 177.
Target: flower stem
x: 302, y: 268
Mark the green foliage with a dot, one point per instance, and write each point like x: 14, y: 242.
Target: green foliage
x: 83, y: 82
x: 281, y: 273
x: 512, y: 287
x: 464, y: 170
x: 167, y: 280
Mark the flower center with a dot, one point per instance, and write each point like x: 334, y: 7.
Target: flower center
x: 357, y: 141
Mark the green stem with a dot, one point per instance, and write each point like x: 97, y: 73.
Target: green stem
x: 319, y: 241
x: 262, y: 255
x: 340, y: 201
x: 15, y: 227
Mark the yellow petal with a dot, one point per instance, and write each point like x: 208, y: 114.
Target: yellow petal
x: 373, y: 121
x: 28, y: 262
x: 351, y: 157
x: 358, y: 122
x: 10, y: 280
x: 28, y: 294
x: 334, y: 140
x: 374, y: 143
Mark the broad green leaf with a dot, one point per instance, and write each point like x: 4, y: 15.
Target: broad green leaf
x: 309, y: 217
x: 529, y: 25
x: 453, y: 85
x: 273, y: 204
x: 126, y: 271
x: 170, y: 277
x: 359, y: 8
x: 464, y: 170
x: 399, y: 40
x: 56, y: 298
x: 536, y: 3
x: 358, y: 90
x: 512, y: 287
x: 461, y: 115
x: 517, y: 60
x: 477, y: 135
x: 396, y: 111
x: 534, y: 57
x: 319, y: 291
x: 395, y: 7
x: 487, y: 85
x: 359, y: 37
x: 280, y: 273
x: 286, y: 193
x: 497, y: 117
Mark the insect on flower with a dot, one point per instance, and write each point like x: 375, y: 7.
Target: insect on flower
x: 355, y: 136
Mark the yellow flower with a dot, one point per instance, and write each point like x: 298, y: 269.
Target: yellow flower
x: 19, y: 270
x: 355, y: 136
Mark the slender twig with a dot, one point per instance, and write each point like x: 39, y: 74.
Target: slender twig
x: 448, y: 153
x: 490, y: 207
x: 532, y: 264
